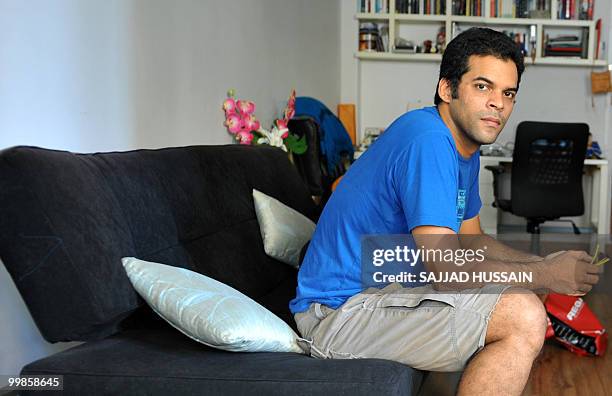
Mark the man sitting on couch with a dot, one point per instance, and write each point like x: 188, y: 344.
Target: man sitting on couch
x: 421, y: 178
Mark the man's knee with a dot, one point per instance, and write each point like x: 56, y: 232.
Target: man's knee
x: 518, y: 316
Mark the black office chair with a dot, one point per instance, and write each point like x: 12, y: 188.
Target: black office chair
x: 547, y: 167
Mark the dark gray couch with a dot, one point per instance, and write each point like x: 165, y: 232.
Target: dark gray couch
x: 67, y: 219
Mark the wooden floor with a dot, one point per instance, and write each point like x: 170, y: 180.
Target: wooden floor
x: 560, y: 372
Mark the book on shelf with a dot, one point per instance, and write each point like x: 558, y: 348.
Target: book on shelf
x: 520, y: 8
x: 468, y: 7
x: 373, y: 6
x: 423, y: 7
x: 568, y: 45
x: 407, y: 6
x: 566, y: 9
x: 542, y: 9
x: 575, y: 9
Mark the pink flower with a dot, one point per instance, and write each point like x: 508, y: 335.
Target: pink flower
x: 291, y: 101
x: 229, y: 105
x: 281, y: 124
x: 234, y: 123
x: 251, y: 123
x: 246, y: 107
x: 244, y: 137
x: 241, y: 122
x: 289, y: 113
x: 290, y: 109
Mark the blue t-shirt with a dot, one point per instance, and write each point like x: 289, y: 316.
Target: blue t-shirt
x: 412, y: 175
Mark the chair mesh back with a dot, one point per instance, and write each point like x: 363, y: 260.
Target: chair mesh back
x: 550, y: 161
x: 547, y: 169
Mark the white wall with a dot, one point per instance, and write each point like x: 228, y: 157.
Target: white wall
x: 90, y: 75
x: 99, y: 75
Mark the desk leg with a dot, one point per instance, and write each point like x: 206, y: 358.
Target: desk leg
x: 594, y: 174
x: 603, y: 217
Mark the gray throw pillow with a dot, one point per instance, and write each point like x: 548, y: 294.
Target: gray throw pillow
x: 284, y: 230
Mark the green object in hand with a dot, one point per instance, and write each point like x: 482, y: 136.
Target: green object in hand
x: 600, y: 262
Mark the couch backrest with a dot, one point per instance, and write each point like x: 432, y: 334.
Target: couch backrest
x: 67, y: 219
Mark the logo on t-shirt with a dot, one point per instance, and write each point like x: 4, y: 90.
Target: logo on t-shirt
x: 460, y: 206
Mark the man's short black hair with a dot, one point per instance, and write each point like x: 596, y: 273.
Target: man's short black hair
x: 480, y: 42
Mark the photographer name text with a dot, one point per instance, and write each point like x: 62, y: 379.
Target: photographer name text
x: 455, y: 277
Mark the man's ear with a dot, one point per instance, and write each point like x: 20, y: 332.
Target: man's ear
x: 444, y: 90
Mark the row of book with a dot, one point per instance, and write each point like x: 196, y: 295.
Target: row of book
x: 566, y: 9
x: 575, y: 9
x: 567, y: 45
x: 374, y: 6
x: 469, y: 7
x: 427, y: 7
x: 520, y: 9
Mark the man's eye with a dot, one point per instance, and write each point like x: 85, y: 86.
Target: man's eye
x: 481, y: 87
x: 510, y: 94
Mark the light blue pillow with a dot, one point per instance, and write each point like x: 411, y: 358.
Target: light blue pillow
x: 209, y: 311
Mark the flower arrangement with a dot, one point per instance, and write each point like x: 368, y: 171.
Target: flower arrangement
x: 241, y: 122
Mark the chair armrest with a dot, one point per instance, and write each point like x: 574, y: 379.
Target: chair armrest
x: 496, y: 169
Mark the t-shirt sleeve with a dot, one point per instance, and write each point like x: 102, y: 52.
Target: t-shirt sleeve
x: 426, y: 180
x: 473, y: 203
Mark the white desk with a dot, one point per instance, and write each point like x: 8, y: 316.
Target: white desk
x: 597, y: 198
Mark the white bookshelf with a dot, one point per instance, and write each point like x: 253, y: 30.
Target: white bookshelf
x: 453, y: 22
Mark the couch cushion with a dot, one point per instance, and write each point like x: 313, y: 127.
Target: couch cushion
x: 165, y: 362
x: 67, y: 219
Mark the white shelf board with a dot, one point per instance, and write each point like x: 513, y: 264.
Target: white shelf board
x: 389, y: 56
x: 474, y: 19
x: 371, y: 16
x: 519, y: 21
x: 420, y: 18
x: 566, y: 61
x: 554, y: 61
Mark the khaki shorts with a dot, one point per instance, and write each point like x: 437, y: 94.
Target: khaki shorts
x: 422, y: 328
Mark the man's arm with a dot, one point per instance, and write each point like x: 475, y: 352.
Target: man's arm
x: 472, y: 237
x: 567, y: 273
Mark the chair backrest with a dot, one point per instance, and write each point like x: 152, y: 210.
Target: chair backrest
x: 311, y: 164
x: 547, y: 169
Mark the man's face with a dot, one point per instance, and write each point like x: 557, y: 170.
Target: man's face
x: 486, y: 98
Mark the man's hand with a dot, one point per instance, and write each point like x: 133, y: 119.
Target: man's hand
x: 570, y: 272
